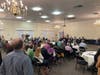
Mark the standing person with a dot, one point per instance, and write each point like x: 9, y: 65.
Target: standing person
x: 16, y: 62
x: 97, y: 61
x: 0, y: 58
x: 98, y: 65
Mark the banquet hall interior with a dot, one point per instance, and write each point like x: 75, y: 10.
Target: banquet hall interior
x: 66, y: 31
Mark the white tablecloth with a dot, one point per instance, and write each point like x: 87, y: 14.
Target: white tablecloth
x: 89, y: 57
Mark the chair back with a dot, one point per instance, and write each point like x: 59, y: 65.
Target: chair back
x: 80, y: 60
x: 82, y: 49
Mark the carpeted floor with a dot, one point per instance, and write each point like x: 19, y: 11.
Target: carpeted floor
x: 68, y: 68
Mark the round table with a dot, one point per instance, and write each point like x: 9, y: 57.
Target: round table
x: 89, y: 57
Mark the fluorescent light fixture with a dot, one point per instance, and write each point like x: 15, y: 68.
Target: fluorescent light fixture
x: 19, y: 17
x: 28, y: 21
x: 36, y: 8
x: 56, y: 12
x: 47, y: 21
x: 44, y: 16
x: 70, y: 16
x: 1, y: 10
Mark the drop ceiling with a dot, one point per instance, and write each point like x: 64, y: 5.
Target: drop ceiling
x: 84, y: 12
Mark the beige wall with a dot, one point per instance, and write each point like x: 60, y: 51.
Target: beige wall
x: 8, y: 29
x: 84, y: 28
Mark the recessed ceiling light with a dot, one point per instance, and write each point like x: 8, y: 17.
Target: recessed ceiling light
x: 28, y: 21
x: 1, y: 23
x: 70, y: 16
x: 1, y: 10
x: 56, y: 12
x: 19, y: 17
x: 36, y: 8
x: 44, y: 16
x: 47, y: 21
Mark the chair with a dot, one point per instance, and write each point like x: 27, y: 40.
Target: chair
x: 75, y: 53
x: 81, y: 62
x: 37, y: 66
x: 93, y: 69
x: 82, y: 49
x: 40, y: 68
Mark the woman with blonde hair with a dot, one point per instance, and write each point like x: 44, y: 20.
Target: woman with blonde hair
x: 38, y: 55
x: 40, y: 58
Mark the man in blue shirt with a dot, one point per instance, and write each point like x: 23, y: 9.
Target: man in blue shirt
x: 16, y: 62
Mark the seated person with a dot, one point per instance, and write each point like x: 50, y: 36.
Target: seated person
x: 51, y: 50
x: 45, y: 54
x: 42, y: 62
x: 59, y: 53
x: 68, y: 48
x: 76, y: 46
x: 83, y: 44
x: 38, y: 55
x: 60, y: 44
x: 48, y: 53
x: 30, y: 53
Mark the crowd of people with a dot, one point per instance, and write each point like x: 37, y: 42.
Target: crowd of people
x: 24, y: 53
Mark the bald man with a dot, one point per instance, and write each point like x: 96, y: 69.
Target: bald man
x: 16, y: 62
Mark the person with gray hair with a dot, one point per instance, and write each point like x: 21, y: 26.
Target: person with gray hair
x: 16, y: 62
